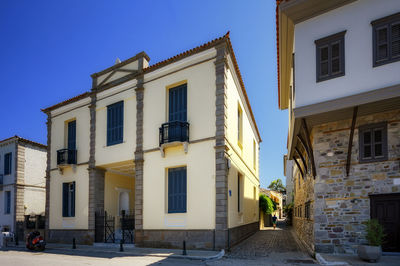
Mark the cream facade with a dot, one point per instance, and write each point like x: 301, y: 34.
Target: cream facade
x: 173, y: 146
x: 22, y: 181
x: 338, y: 63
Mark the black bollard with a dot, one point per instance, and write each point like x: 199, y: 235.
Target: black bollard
x: 73, y: 243
x: 184, y: 248
x: 121, y: 247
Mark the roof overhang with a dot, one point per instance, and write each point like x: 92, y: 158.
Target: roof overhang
x: 288, y: 14
x: 375, y: 101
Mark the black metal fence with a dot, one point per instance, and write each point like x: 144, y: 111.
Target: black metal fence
x: 174, y: 131
x: 127, y: 222
x: 104, y: 227
x: 66, y: 156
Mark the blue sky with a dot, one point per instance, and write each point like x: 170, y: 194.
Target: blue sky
x: 48, y: 50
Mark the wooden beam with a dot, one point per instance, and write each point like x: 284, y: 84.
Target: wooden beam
x: 353, y: 124
x: 303, y: 143
x: 302, y: 158
x: 298, y: 166
x: 304, y: 124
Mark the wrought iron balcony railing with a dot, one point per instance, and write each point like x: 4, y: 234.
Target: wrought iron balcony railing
x: 66, y: 156
x: 174, y: 131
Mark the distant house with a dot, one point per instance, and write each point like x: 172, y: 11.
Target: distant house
x: 173, y: 146
x: 277, y: 197
x: 338, y: 76
x: 22, y: 181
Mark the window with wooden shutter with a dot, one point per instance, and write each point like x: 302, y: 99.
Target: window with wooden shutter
x: 7, y: 163
x: 7, y: 202
x: 71, y: 135
x: 68, y: 199
x: 386, y: 40
x: 178, y: 103
x: 330, y: 56
x: 115, y: 123
x: 373, y: 142
x: 177, y: 190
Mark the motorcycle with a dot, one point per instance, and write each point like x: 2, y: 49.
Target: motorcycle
x: 34, y: 241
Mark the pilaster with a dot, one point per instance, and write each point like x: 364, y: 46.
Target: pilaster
x: 47, y: 208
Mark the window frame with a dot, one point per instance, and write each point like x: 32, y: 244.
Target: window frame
x: 328, y: 42
x: 384, y: 142
x: 170, y: 207
x: 8, y: 163
x: 68, y: 198
x: 7, y: 202
x: 385, y: 22
x: 178, y: 92
x: 110, y: 141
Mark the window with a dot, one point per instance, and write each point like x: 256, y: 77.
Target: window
x: 7, y: 164
x: 115, y: 123
x: 373, y: 142
x: 7, y: 202
x: 240, y: 126
x: 307, y: 210
x: 254, y: 193
x: 386, y: 40
x: 254, y: 154
x: 177, y: 190
x: 178, y: 103
x: 68, y: 199
x: 71, y: 141
x: 239, y: 192
x: 330, y: 56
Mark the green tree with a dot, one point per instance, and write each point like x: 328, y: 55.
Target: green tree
x: 267, y: 205
x: 277, y: 185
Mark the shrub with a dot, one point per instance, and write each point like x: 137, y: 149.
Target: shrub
x: 375, y: 233
x: 267, y: 205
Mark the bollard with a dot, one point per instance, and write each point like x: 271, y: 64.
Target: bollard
x: 121, y: 247
x: 184, y: 248
x: 73, y: 243
x: 16, y: 239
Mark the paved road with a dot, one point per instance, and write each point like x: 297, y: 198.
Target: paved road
x: 268, y: 247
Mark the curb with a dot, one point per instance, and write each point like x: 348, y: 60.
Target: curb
x: 176, y: 256
x: 322, y: 261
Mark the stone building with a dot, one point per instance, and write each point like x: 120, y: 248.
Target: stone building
x: 156, y: 154
x: 338, y: 72
x: 22, y: 181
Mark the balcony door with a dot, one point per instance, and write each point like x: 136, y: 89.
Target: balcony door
x: 178, y: 104
x: 71, y: 145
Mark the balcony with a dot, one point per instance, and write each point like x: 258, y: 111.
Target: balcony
x: 66, y: 157
x: 174, y: 133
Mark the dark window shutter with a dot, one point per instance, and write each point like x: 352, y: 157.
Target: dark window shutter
x: 178, y: 103
x: 395, y: 39
x: 115, y: 123
x: 73, y: 200
x: 177, y: 183
x: 7, y: 163
x: 65, y: 199
x: 72, y: 135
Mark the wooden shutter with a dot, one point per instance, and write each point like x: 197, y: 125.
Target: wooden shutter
x: 115, y: 123
x: 73, y: 199
x: 7, y: 163
x: 177, y: 198
x: 381, y: 39
x: 65, y: 199
x: 395, y: 40
x: 72, y: 135
x: 178, y: 103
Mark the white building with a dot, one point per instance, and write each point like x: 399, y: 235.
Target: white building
x: 22, y: 180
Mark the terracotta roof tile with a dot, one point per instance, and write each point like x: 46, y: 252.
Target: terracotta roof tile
x: 71, y: 100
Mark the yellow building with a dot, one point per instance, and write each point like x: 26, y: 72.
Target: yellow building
x: 168, y: 151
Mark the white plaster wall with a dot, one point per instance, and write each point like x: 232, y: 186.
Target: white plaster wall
x: 360, y: 75
x: 200, y: 163
x: 125, y: 150
x: 35, y: 172
x: 79, y: 111
x: 8, y: 181
x: 81, y: 176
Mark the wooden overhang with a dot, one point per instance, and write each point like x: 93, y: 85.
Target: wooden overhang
x: 350, y: 107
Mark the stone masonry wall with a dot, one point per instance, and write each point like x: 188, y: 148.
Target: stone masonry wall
x: 304, y: 192
x: 342, y: 204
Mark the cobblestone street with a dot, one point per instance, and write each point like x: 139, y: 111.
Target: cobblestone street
x: 268, y: 247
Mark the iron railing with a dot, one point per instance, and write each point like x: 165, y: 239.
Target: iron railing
x: 174, y: 131
x: 66, y: 156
